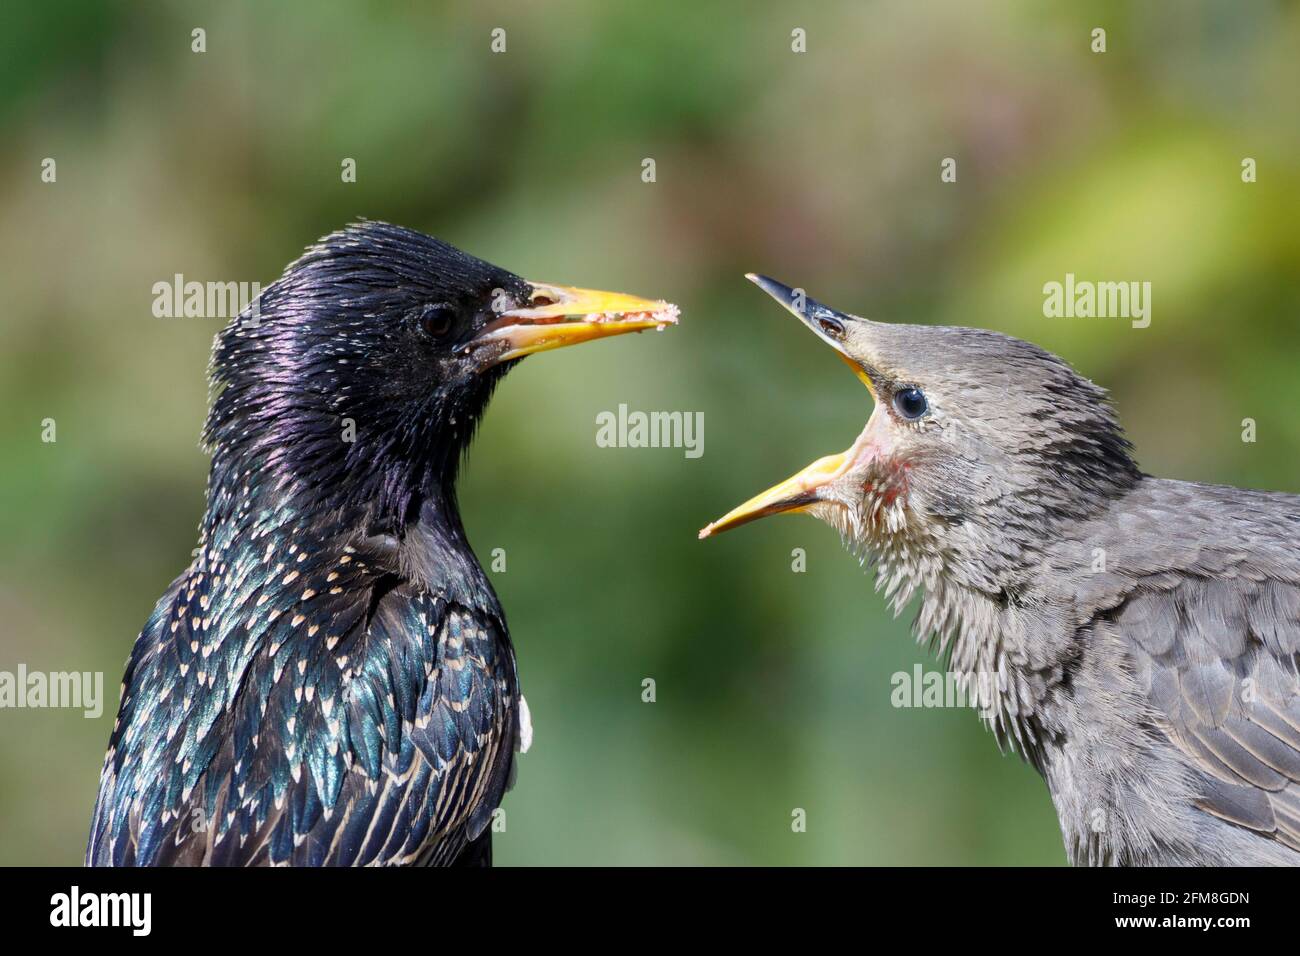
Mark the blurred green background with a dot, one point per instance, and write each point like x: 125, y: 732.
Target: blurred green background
x: 821, y: 169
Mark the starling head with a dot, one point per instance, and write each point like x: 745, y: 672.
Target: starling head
x: 357, y: 383
x: 979, y: 443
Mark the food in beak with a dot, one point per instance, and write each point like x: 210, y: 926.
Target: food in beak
x: 556, y: 316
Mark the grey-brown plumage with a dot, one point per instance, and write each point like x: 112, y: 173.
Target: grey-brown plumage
x: 1136, y: 638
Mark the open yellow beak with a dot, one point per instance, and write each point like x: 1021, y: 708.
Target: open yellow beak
x: 798, y: 492
x: 794, y: 494
x: 557, y: 315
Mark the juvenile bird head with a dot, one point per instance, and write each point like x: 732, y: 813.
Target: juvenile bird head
x: 978, y: 446
x: 357, y: 382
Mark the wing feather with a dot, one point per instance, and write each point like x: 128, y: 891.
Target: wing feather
x: 1218, y: 656
x: 370, y: 722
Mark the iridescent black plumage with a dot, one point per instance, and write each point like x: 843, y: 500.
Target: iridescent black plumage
x: 331, y: 681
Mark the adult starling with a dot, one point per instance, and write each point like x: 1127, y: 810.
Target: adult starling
x: 1136, y: 639
x: 331, y: 681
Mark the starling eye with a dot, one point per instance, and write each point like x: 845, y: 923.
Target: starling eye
x: 910, y: 403
x: 832, y: 327
x: 436, y: 320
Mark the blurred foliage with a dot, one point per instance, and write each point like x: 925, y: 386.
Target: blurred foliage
x: 821, y: 169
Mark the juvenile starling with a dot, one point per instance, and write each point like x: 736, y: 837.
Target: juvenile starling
x: 1136, y: 639
x: 331, y: 681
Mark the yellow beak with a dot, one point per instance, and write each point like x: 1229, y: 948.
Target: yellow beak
x: 794, y: 494
x: 800, y: 491
x: 557, y: 315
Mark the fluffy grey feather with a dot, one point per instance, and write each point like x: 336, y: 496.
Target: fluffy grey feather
x: 1140, y: 636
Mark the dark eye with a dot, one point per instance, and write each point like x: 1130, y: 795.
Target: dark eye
x: 831, y: 326
x: 910, y: 403
x: 436, y: 320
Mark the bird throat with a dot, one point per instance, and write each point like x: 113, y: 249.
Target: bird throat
x: 958, y: 619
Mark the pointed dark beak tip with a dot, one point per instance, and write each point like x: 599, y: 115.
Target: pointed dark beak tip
x: 777, y: 290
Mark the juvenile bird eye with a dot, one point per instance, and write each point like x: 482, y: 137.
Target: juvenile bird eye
x: 910, y: 403
x: 831, y: 326
x: 435, y: 320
